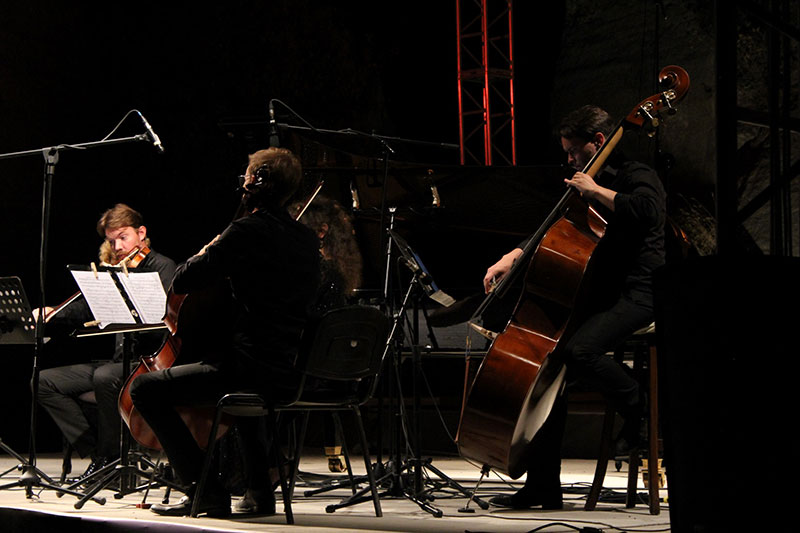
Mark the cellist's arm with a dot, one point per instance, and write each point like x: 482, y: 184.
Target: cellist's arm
x: 210, y: 264
x: 497, y: 271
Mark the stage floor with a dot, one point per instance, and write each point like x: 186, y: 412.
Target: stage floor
x: 47, y: 511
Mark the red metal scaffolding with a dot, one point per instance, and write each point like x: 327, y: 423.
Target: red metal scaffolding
x: 486, y: 82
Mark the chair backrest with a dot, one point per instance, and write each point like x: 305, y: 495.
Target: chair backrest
x: 345, y: 345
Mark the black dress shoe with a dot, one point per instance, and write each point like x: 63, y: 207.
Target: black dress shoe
x: 97, y: 464
x: 260, y: 502
x: 525, y: 498
x: 216, y: 507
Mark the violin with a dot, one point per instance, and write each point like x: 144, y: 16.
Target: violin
x: 132, y: 260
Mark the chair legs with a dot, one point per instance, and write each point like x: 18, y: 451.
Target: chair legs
x: 652, y: 433
x: 373, y: 486
x: 602, y: 460
x: 376, y: 502
x: 201, y: 485
x: 272, y: 423
x: 348, y: 467
x: 634, y: 459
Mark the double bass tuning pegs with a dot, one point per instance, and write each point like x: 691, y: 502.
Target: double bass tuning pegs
x: 653, y: 121
x: 667, y: 97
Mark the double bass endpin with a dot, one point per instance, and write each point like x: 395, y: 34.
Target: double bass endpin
x: 491, y: 335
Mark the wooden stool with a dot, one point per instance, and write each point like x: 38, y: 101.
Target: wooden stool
x: 644, y: 362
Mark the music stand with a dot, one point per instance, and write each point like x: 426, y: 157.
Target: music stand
x: 17, y: 326
x: 135, y: 299
x: 425, y: 281
x: 421, y: 279
x: 121, y: 469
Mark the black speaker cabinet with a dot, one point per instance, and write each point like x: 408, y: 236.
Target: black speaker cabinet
x: 728, y: 340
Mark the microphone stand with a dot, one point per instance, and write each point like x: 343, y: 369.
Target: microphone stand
x: 31, y: 476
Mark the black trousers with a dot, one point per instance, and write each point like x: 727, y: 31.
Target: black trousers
x: 156, y: 395
x: 586, y: 360
x: 59, y: 389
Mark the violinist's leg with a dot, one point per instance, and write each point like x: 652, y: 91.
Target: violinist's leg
x: 107, y: 384
x: 59, y: 389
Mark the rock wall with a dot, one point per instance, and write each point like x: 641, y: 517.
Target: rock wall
x: 611, y: 53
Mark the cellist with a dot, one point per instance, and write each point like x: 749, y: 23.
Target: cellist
x: 271, y: 264
x: 630, y: 196
x: 125, y: 239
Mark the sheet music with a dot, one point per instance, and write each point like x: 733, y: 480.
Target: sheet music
x: 146, y: 293
x: 103, y: 297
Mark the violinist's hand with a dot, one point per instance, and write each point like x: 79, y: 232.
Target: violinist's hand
x: 35, y: 313
x: 590, y: 190
x: 497, y: 271
x: 204, y: 248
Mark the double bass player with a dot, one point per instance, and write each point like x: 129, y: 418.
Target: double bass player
x: 630, y: 196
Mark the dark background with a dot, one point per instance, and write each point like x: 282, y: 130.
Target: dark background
x: 69, y: 73
x: 203, y: 77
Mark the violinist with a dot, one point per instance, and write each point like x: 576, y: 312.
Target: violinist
x: 630, y: 196
x: 270, y: 263
x: 60, y: 388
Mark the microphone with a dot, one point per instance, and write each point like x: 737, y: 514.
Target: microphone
x: 153, y: 136
x: 274, y: 140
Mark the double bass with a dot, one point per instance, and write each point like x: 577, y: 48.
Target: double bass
x: 522, y: 373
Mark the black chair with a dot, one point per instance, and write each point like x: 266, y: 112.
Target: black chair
x: 339, y: 361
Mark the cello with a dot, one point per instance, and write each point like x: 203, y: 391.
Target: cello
x: 522, y: 373
x: 189, y: 318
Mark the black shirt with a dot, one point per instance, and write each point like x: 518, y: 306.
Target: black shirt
x: 272, y: 263
x: 633, y: 245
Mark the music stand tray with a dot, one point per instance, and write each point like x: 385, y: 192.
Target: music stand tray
x: 16, y: 319
x: 414, y: 262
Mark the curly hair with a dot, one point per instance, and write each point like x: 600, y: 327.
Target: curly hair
x: 338, y: 244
